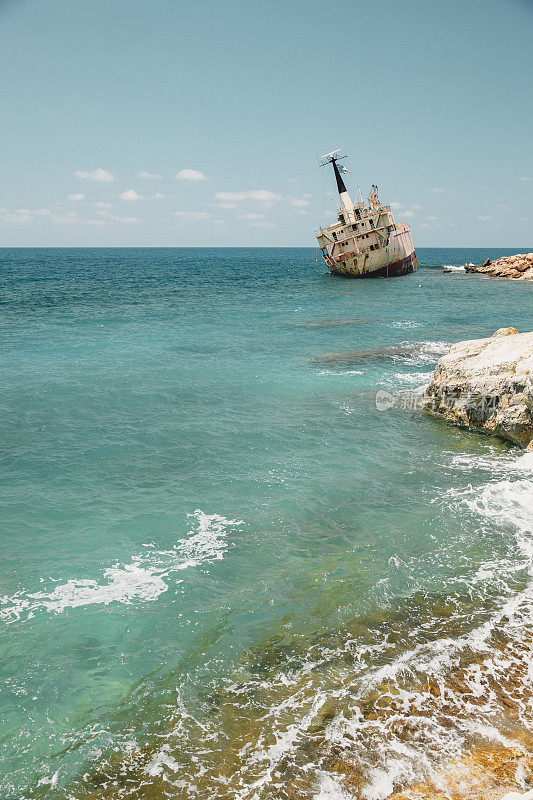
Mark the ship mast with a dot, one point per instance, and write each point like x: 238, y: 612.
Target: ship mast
x: 346, y: 201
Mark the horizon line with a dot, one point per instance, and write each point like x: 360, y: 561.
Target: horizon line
x: 225, y: 247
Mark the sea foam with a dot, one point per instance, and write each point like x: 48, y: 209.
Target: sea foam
x: 143, y: 579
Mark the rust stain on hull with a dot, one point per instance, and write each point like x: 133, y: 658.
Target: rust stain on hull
x: 401, y: 267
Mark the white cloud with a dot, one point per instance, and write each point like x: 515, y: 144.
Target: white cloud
x: 102, y: 204
x: 151, y: 176
x: 159, y: 196
x: 76, y: 196
x: 227, y: 205
x: 483, y: 218
x: 192, y: 216
x: 190, y: 175
x: 300, y: 201
x: 100, y: 175
x: 502, y: 206
x: 439, y: 190
x: 431, y: 219
x: 300, y: 211
x: 16, y: 216
x: 39, y: 212
x: 125, y: 220
x: 131, y: 194
x: 525, y: 179
x: 265, y: 225
x: 405, y: 212
x: 250, y: 216
x: 263, y: 195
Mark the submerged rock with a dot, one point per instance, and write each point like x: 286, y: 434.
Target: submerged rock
x: 487, y: 384
x: 519, y: 267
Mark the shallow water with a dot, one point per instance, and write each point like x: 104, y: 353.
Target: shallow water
x: 223, y: 567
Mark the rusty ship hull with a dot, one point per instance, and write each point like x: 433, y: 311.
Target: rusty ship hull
x: 352, y: 268
x: 365, y: 241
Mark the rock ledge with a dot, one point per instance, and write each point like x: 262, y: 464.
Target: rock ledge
x: 518, y: 267
x: 486, y: 384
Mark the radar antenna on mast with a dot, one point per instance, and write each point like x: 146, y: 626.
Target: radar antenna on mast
x: 328, y: 158
x: 339, y: 170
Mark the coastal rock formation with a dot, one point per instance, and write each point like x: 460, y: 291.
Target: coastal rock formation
x: 487, y: 384
x: 519, y: 267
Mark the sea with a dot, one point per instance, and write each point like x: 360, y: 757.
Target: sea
x: 227, y: 572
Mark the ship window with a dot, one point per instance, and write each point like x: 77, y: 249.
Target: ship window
x: 354, y: 227
x: 372, y: 222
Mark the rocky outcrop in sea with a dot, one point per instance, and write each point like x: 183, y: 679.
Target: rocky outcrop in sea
x: 518, y: 267
x: 486, y: 384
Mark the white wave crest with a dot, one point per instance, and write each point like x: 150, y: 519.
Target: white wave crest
x: 429, y: 352
x: 140, y: 580
x: 417, y: 380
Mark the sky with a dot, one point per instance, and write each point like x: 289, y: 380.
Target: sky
x: 170, y: 123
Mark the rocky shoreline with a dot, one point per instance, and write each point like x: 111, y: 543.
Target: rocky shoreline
x: 518, y: 267
x: 486, y: 384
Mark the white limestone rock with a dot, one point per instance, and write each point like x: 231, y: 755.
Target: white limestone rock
x: 487, y: 384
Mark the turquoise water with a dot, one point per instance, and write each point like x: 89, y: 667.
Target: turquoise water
x: 200, y: 500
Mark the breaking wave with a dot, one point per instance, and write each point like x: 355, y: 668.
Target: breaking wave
x: 143, y: 579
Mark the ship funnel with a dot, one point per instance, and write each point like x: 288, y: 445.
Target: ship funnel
x: 338, y: 170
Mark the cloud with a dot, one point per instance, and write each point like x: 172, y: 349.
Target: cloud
x: 250, y: 216
x: 159, y: 196
x: 405, y: 212
x: 192, y: 216
x: 102, y: 204
x: 190, y: 175
x: 100, y: 175
x: 483, y: 218
x: 76, y: 196
x: 227, y: 205
x: 502, y: 206
x: 25, y: 215
x: 431, y: 219
x: 439, y: 190
x: 300, y: 201
x: 130, y: 194
x: 124, y: 220
x: 150, y: 176
x: 525, y: 179
x: 263, y: 195
x: 15, y: 216
x: 265, y: 225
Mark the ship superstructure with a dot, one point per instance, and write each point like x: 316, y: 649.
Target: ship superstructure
x: 365, y: 242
